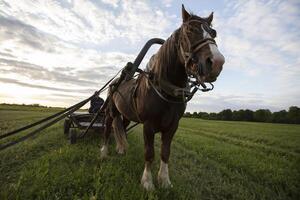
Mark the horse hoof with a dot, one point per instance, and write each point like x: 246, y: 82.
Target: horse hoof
x: 164, y: 182
x: 146, y: 181
x: 121, y: 151
x: 147, y: 185
x: 103, y: 157
x: 104, y: 152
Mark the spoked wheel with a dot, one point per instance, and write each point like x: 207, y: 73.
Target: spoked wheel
x: 67, y: 125
x: 73, y: 136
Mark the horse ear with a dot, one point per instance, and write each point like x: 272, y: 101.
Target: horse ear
x: 185, y: 14
x: 210, y: 17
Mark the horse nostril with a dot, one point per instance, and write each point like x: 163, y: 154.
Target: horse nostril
x: 208, y: 64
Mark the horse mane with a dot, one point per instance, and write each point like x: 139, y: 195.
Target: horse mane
x: 195, y: 17
x: 164, y: 62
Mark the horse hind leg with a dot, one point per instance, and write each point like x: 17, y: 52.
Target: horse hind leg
x: 119, y: 134
x: 126, y: 123
x: 109, y: 115
x: 107, y: 131
x: 147, y: 181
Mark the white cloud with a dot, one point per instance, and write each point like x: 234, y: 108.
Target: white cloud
x: 114, y: 3
x: 217, y: 101
x: 41, y: 39
x: 87, y: 22
x: 261, y: 41
x: 167, y: 3
x: 259, y: 32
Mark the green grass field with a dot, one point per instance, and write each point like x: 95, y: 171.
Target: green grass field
x: 209, y: 160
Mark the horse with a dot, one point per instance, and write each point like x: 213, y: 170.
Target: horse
x: 156, y: 97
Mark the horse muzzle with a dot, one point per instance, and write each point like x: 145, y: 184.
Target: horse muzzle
x: 212, y: 67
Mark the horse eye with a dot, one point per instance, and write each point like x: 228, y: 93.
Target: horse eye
x: 194, y: 59
x: 195, y: 29
x: 213, y: 33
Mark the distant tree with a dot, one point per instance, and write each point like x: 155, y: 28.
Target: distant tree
x: 280, y: 117
x: 248, y: 115
x: 203, y: 115
x: 187, y: 114
x: 213, y: 116
x: 195, y: 115
x: 234, y: 115
x: 237, y: 115
x: 225, y: 115
x: 293, y: 115
x: 242, y: 115
x: 262, y: 115
x: 35, y: 105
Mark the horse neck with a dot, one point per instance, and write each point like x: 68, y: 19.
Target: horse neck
x: 169, y: 66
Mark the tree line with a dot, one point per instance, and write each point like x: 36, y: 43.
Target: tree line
x: 290, y: 116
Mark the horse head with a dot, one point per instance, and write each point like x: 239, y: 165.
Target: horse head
x: 199, y: 52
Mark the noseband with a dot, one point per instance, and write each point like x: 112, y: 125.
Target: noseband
x: 193, y: 49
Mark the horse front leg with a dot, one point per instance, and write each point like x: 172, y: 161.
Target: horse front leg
x: 147, y: 181
x: 163, y: 173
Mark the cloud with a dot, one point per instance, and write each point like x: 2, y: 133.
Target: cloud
x: 26, y: 35
x: 24, y: 84
x: 35, y: 72
x: 213, y: 102
x: 6, y: 54
x: 65, y: 38
x: 261, y: 43
x: 260, y: 34
x: 61, y: 45
x: 113, y: 3
x: 89, y: 22
x: 167, y: 3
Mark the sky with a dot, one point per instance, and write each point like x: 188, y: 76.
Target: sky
x: 57, y: 53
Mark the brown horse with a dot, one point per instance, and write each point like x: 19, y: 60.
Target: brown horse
x: 156, y: 99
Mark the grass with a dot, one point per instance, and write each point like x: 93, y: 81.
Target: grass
x: 209, y: 160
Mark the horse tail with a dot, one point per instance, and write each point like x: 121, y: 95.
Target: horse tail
x: 117, y: 123
x: 119, y: 134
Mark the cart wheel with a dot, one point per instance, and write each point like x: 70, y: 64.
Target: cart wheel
x: 73, y: 136
x: 67, y: 125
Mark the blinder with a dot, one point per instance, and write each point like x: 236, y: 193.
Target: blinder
x: 212, y: 32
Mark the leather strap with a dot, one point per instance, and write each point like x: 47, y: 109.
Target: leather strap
x: 173, y: 90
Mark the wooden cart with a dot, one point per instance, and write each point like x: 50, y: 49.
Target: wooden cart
x: 81, y: 120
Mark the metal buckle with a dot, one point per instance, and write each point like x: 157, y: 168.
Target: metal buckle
x: 206, y: 89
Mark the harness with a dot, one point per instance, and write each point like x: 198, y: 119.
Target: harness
x: 165, y: 89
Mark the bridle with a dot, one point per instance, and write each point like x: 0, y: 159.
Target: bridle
x: 183, y: 95
x: 188, y: 56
